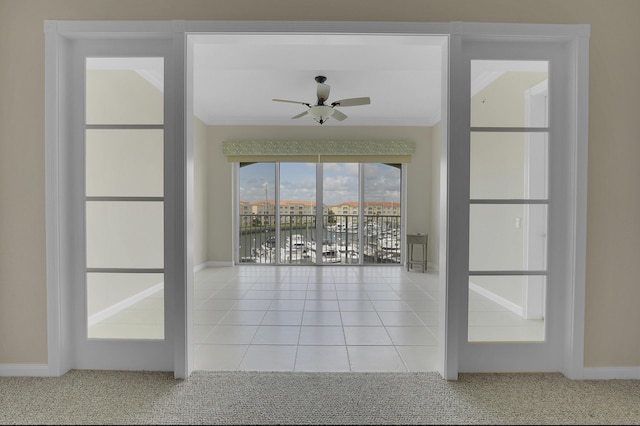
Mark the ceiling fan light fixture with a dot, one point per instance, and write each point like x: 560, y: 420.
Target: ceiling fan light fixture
x: 321, y: 113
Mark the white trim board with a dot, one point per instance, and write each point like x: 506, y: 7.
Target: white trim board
x: 611, y: 373
x: 25, y: 370
x: 211, y: 264
x: 603, y: 373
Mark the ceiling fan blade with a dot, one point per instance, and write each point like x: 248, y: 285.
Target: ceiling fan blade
x: 291, y: 102
x: 323, y: 92
x: 352, y: 102
x: 302, y: 114
x: 338, y: 115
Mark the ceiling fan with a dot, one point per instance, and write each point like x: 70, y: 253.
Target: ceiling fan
x: 321, y: 112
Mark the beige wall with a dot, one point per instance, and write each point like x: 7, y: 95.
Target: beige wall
x: 219, y: 197
x: 612, y: 337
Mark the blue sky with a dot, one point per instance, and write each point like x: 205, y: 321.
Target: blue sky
x: 298, y: 182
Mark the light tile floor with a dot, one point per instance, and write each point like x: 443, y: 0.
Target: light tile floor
x: 308, y: 318
x: 330, y: 318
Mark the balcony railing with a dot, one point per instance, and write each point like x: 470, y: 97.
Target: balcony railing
x: 344, y: 241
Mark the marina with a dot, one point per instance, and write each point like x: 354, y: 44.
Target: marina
x: 342, y: 243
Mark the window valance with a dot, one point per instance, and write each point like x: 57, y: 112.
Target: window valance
x: 319, y: 151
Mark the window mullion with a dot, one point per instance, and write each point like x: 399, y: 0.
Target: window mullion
x: 319, y: 212
x: 276, y: 213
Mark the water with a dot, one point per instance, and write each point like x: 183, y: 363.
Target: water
x: 259, y: 246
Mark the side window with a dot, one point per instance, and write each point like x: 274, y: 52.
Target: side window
x: 508, y: 200
x: 124, y: 196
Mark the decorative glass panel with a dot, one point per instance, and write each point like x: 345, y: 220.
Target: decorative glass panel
x: 506, y: 308
x: 508, y: 165
x: 508, y: 190
x: 124, y: 186
x: 125, y: 234
x: 502, y: 92
x: 124, y: 162
x: 125, y: 305
x: 507, y: 237
x: 125, y: 91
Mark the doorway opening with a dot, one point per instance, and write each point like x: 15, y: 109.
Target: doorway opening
x: 275, y: 309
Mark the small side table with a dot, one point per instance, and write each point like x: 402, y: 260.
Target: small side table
x: 417, y: 239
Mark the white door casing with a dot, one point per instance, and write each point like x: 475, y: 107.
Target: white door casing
x: 66, y: 40
x: 68, y: 46
x: 561, y: 349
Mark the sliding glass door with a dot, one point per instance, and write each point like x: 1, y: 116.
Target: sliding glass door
x: 258, y: 242
x: 382, y: 227
x: 359, y: 221
x: 340, y: 230
x: 296, y: 217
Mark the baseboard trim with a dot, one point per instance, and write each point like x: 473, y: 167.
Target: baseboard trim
x: 600, y: 373
x: 216, y: 263
x: 24, y: 370
x: 200, y: 267
x: 495, y: 298
x: 611, y: 373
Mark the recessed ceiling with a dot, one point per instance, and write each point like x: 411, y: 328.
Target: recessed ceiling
x: 237, y: 76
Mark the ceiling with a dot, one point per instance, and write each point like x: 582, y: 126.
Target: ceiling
x: 237, y: 76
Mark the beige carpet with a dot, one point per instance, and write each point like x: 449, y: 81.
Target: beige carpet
x: 108, y: 397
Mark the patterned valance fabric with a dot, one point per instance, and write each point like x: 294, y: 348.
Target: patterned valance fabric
x: 319, y: 151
